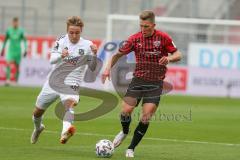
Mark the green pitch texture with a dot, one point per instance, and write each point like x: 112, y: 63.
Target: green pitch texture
x: 184, y: 128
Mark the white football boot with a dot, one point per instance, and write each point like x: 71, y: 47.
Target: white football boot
x: 129, y: 153
x: 36, y: 133
x: 119, y: 139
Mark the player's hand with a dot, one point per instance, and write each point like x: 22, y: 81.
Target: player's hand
x: 105, y: 75
x: 163, y: 61
x: 2, y: 53
x: 94, y: 49
x: 25, y: 54
x: 65, y: 53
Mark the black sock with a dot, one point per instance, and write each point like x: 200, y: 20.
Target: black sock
x: 125, y: 121
x: 138, y: 134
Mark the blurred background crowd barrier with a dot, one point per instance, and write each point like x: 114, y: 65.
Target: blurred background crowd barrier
x: 206, y: 32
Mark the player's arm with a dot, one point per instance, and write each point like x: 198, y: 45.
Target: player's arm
x: 24, y: 39
x: 175, y: 55
x: 4, y: 43
x: 125, y: 48
x: 93, y: 59
x: 113, y: 60
x: 58, y: 56
x: 58, y: 53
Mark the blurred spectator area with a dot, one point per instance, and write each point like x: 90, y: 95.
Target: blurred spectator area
x: 47, y: 17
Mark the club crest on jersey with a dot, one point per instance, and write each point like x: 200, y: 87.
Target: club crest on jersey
x: 157, y: 44
x: 81, y: 52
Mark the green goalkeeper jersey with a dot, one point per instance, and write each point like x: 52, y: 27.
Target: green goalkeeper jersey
x: 15, y: 36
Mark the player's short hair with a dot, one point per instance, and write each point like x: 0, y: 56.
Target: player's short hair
x: 75, y: 21
x: 15, y: 19
x: 147, y: 15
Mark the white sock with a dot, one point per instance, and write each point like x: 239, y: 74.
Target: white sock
x: 37, y: 121
x: 68, y: 119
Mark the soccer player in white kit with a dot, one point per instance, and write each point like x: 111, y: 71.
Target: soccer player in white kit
x: 66, y: 48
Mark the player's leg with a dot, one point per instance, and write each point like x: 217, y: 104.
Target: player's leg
x: 128, y: 106
x: 10, y: 63
x: 38, y: 126
x: 37, y: 117
x: 68, y: 129
x: 9, y: 68
x: 151, y: 99
x: 149, y: 108
x: 46, y: 97
x: 17, y: 63
x: 130, y: 101
x: 126, y: 111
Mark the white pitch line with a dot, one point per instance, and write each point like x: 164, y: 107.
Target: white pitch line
x: 146, y: 138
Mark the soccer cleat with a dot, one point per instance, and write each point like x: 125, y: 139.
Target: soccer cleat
x: 119, y: 138
x: 36, y: 133
x: 129, y: 153
x: 66, y: 135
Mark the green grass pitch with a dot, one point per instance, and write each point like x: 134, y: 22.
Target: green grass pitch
x: 184, y: 128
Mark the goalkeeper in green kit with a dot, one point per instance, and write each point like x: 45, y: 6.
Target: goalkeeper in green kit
x: 15, y: 36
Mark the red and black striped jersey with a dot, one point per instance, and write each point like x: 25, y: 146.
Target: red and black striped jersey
x: 148, y: 51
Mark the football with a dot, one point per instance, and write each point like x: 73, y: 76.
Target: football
x: 104, y: 148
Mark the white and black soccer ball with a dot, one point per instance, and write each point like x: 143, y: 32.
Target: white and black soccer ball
x: 104, y: 148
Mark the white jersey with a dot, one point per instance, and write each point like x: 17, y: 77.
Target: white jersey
x: 77, y: 50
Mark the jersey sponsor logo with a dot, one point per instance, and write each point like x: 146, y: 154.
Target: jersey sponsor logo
x: 149, y: 53
x: 71, y: 59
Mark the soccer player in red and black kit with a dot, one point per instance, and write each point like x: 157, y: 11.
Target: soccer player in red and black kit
x: 151, y: 48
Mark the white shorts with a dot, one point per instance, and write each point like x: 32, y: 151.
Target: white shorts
x: 47, y: 96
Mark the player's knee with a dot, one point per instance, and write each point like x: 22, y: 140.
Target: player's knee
x: 126, y: 108
x: 146, y: 118
x: 38, y: 112
x: 69, y: 103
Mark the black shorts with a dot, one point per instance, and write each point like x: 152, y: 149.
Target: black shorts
x: 147, y: 91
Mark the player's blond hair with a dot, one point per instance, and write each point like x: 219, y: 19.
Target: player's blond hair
x: 75, y: 21
x: 147, y: 15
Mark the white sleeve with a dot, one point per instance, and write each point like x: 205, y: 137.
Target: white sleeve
x: 56, y: 53
x: 55, y: 58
